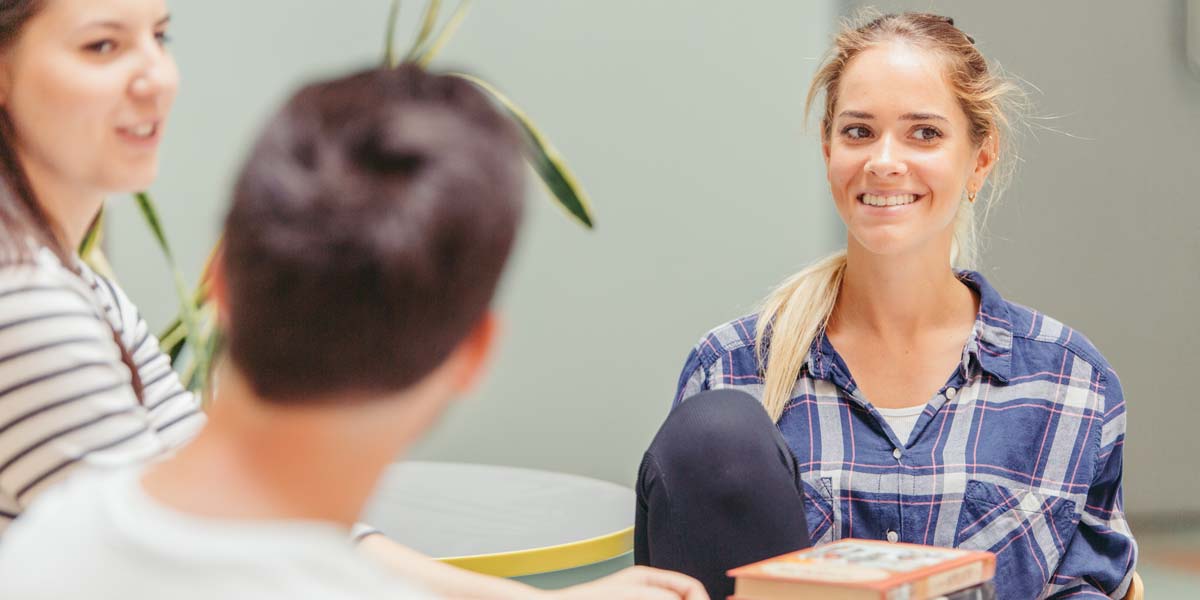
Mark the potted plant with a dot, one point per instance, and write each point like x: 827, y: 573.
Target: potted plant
x: 191, y: 340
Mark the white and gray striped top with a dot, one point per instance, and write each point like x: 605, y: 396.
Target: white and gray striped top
x: 65, y: 395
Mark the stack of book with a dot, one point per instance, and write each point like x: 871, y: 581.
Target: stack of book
x: 869, y: 570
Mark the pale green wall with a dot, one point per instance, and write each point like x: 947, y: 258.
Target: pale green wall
x: 683, y: 120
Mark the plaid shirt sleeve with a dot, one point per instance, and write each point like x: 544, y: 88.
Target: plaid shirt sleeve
x: 691, y: 380
x: 1100, y: 557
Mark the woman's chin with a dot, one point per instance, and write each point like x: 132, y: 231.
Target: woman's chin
x: 886, y: 241
x: 132, y: 183
x: 892, y: 246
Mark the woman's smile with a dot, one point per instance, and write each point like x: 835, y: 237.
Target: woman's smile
x: 888, y: 203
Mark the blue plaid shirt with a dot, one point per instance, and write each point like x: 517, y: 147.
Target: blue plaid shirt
x: 1019, y: 453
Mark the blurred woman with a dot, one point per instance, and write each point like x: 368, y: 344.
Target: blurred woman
x: 85, y: 88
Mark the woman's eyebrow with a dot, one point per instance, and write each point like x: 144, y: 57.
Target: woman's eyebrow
x: 922, y: 117
x: 914, y: 116
x: 119, y: 26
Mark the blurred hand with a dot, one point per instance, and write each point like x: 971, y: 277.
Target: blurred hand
x: 635, y: 583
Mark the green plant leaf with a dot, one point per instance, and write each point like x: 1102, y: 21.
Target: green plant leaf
x: 99, y: 263
x: 213, y: 342
x: 190, y: 376
x: 426, y: 55
x: 95, y: 234
x: 91, y: 253
x: 150, y: 215
x: 187, y: 314
x: 173, y: 339
x: 194, y: 373
x: 389, y: 39
x: 428, y: 21
x: 544, y: 159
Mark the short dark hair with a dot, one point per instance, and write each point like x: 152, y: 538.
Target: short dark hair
x: 368, y: 232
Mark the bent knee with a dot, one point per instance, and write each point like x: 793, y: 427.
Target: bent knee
x: 716, y: 431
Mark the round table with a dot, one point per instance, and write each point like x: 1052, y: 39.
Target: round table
x: 548, y: 529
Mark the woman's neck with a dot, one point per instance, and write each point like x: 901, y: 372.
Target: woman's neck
x: 892, y: 297
x: 70, y: 208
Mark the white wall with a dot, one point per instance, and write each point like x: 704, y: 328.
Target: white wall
x: 1101, y: 228
x: 683, y: 121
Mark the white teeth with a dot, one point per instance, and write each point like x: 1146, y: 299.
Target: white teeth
x: 142, y: 131
x: 873, y: 200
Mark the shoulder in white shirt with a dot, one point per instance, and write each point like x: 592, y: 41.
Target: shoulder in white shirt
x: 100, y: 536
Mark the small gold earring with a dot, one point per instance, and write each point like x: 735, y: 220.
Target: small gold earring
x: 971, y: 197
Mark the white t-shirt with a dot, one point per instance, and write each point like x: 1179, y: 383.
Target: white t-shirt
x: 100, y: 536
x: 902, y: 420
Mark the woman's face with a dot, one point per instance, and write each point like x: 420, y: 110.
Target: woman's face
x: 88, y: 85
x: 900, y: 158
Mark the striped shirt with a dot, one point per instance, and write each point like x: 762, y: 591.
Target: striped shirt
x: 1019, y: 453
x: 65, y: 394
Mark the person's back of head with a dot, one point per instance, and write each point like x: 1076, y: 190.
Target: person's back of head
x: 368, y: 231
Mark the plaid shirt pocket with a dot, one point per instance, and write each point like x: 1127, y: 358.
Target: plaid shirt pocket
x: 819, y: 509
x: 1026, y: 530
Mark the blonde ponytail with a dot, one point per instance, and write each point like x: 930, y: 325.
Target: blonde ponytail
x: 964, y: 249
x: 788, y: 323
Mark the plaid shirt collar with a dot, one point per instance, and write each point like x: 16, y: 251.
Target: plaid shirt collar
x: 989, y: 347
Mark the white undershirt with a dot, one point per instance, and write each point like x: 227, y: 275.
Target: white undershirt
x: 902, y: 420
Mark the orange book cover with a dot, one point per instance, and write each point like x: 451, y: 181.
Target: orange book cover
x: 864, y: 569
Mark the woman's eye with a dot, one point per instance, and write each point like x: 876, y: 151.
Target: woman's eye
x: 162, y: 37
x: 101, y: 47
x: 926, y: 134
x: 856, y: 132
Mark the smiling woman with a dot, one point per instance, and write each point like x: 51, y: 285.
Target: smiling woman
x: 897, y: 174
x: 85, y: 88
x: 905, y: 399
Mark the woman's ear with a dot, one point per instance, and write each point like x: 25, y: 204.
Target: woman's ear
x: 985, y: 160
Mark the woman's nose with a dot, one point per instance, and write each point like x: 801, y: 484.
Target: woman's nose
x: 156, y: 76
x: 886, y: 160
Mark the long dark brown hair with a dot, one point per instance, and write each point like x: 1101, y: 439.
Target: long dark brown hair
x: 21, y: 214
x: 26, y: 224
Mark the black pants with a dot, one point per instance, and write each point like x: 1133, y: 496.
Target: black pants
x: 717, y: 489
